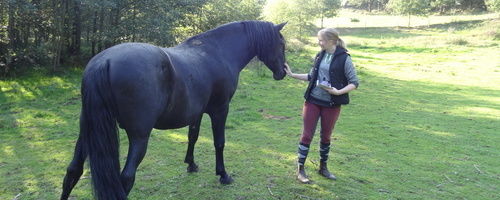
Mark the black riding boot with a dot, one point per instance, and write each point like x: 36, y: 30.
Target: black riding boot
x: 324, y: 150
x: 302, y: 155
x: 323, y: 170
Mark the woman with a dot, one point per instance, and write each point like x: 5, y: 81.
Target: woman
x: 331, y: 78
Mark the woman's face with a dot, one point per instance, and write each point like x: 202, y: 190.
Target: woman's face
x: 324, y: 43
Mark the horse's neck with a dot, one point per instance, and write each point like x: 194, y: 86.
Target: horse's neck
x: 231, y: 47
x: 236, y: 49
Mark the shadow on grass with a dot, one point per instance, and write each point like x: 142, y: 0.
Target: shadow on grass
x: 392, y: 49
x: 388, y: 33
x: 457, y: 26
x: 379, y: 32
x: 371, y: 32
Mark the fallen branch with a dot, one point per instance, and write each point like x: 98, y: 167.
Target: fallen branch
x: 478, y: 171
x: 304, y: 196
x: 17, y: 196
x: 269, y: 189
x: 313, y: 162
x: 449, y: 179
x: 383, y: 190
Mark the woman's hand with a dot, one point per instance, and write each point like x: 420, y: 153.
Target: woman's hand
x: 289, y: 72
x: 330, y: 90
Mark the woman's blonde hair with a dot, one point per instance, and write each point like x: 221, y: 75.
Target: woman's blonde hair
x: 333, y: 34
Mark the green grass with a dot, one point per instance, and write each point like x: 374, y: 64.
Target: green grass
x: 423, y: 125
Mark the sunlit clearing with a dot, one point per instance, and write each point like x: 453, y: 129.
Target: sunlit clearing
x: 8, y: 150
x: 441, y: 133
x: 282, y: 156
x: 483, y: 112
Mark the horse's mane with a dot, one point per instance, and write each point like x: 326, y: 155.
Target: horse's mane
x: 261, y: 35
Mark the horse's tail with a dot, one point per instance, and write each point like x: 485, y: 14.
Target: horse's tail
x: 101, y: 132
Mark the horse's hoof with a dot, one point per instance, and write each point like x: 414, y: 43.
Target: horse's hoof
x: 192, y: 168
x: 226, y: 180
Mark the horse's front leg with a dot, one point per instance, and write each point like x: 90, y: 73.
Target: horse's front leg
x: 194, y: 131
x: 218, y: 119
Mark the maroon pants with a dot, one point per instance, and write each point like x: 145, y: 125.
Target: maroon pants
x: 311, y: 114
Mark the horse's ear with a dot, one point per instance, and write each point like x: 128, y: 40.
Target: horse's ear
x: 280, y: 26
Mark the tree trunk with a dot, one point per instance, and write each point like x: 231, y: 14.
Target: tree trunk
x: 94, y: 33
x: 101, y: 31
x: 409, y: 18
x: 26, y: 34
x: 57, y: 40
x: 11, y: 29
x: 87, y: 35
x: 57, y: 57
x: 76, y: 30
x: 37, y: 23
x: 134, y: 17
x: 115, y: 23
x: 65, y: 30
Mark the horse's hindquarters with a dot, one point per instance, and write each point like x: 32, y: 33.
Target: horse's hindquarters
x: 138, y: 83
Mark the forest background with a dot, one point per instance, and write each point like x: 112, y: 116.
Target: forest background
x: 57, y: 34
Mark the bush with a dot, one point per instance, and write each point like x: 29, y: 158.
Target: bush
x: 294, y: 45
x: 458, y: 41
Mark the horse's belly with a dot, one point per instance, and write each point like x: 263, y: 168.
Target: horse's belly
x: 173, y: 121
x: 169, y: 125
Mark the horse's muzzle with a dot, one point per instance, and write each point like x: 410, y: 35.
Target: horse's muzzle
x: 279, y: 75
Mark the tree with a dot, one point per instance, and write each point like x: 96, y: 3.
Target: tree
x: 217, y: 12
x: 409, y: 7
x: 76, y: 28
x: 300, y: 14
x: 442, y: 5
x: 493, y: 5
x: 325, y: 9
x: 368, y: 4
x: 295, y: 12
x: 471, y: 5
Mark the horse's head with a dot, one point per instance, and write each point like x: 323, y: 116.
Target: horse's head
x: 274, y: 56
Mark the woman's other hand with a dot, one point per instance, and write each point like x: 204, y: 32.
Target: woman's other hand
x: 330, y: 90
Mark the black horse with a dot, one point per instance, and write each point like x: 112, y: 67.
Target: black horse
x: 139, y: 87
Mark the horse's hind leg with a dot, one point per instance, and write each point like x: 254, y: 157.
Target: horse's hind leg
x: 138, y: 143
x: 75, y: 169
x: 194, y: 131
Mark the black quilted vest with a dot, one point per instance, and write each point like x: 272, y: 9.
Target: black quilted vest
x: 337, y: 77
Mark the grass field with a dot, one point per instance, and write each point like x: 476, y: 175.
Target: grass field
x: 352, y: 18
x: 424, y: 124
